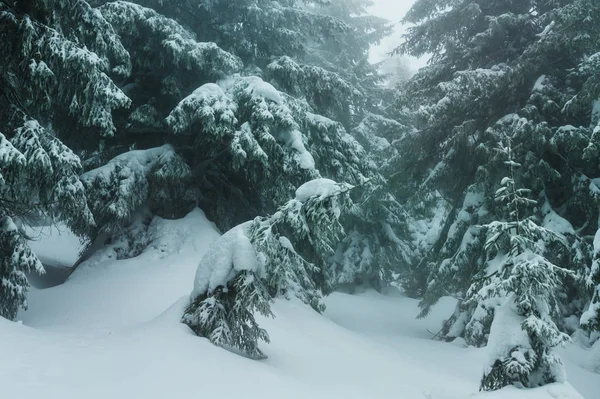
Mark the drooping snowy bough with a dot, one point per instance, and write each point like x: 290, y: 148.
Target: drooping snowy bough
x: 280, y: 255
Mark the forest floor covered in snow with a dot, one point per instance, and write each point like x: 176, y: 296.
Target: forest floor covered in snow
x: 113, y: 330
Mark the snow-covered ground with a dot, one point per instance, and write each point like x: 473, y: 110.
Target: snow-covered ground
x: 112, y: 330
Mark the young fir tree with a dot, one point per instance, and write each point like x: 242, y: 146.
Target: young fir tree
x: 283, y: 255
x: 521, y: 67
x: 527, y: 285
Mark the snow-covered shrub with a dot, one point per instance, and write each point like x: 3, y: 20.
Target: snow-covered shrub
x: 280, y: 255
x: 228, y: 289
x: 156, y: 178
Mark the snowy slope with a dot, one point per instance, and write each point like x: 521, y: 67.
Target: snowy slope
x: 113, y: 331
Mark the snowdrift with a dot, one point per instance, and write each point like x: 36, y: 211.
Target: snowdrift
x: 113, y: 330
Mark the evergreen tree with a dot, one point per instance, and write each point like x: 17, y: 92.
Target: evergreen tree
x: 527, y: 284
x: 516, y: 68
x: 57, y: 59
x: 208, y: 99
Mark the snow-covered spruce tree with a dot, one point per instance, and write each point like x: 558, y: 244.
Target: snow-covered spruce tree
x: 283, y: 255
x: 16, y: 260
x: 305, y: 49
x: 45, y: 45
x: 168, y: 63
x: 255, y: 133
x: 235, y: 135
x: 506, y: 65
x: 527, y: 285
x: 253, y: 30
x: 355, y: 95
x: 463, y: 264
x: 53, y: 84
x: 335, y: 75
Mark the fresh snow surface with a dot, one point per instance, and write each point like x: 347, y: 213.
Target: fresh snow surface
x: 258, y: 88
x: 55, y: 245
x: 227, y: 255
x: 305, y: 159
x: 317, y: 187
x: 540, y: 83
x: 113, y: 330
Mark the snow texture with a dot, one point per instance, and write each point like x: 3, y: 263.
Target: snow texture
x: 322, y: 188
x: 305, y: 159
x: 258, y: 88
x: 54, y: 245
x: 505, y: 334
x: 122, y: 338
x: 228, y: 255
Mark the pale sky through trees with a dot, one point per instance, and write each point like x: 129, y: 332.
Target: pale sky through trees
x: 393, y: 10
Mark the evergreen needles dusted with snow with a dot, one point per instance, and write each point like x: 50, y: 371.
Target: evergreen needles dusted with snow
x: 154, y: 178
x: 281, y: 255
x: 526, y: 283
x: 494, y: 74
x: 16, y: 259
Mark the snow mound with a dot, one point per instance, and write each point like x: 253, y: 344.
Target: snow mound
x: 322, y: 188
x: 540, y: 83
x: 229, y: 254
x: 556, y: 223
x: 106, y: 293
x: 305, y: 159
x: 208, y: 90
x: 258, y: 88
x: 505, y: 333
x: 113, y: 330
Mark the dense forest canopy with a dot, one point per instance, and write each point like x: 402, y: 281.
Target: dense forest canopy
x: 476, y: 178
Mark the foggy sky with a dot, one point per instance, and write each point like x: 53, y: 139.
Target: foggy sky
x: 393, y: 10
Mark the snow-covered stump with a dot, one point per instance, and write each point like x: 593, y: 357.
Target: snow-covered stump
x: 283, y: 255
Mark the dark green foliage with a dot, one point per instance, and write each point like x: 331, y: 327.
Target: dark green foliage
x: 226, y: 315
x: 282, y: 255
x: 522, y: 69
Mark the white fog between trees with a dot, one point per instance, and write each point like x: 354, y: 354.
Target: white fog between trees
x: 296, y: 199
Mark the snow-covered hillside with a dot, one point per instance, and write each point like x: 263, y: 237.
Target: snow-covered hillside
x: 113, y: 330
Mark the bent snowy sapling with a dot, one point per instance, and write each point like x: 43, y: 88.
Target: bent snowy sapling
x: 280, y: 255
